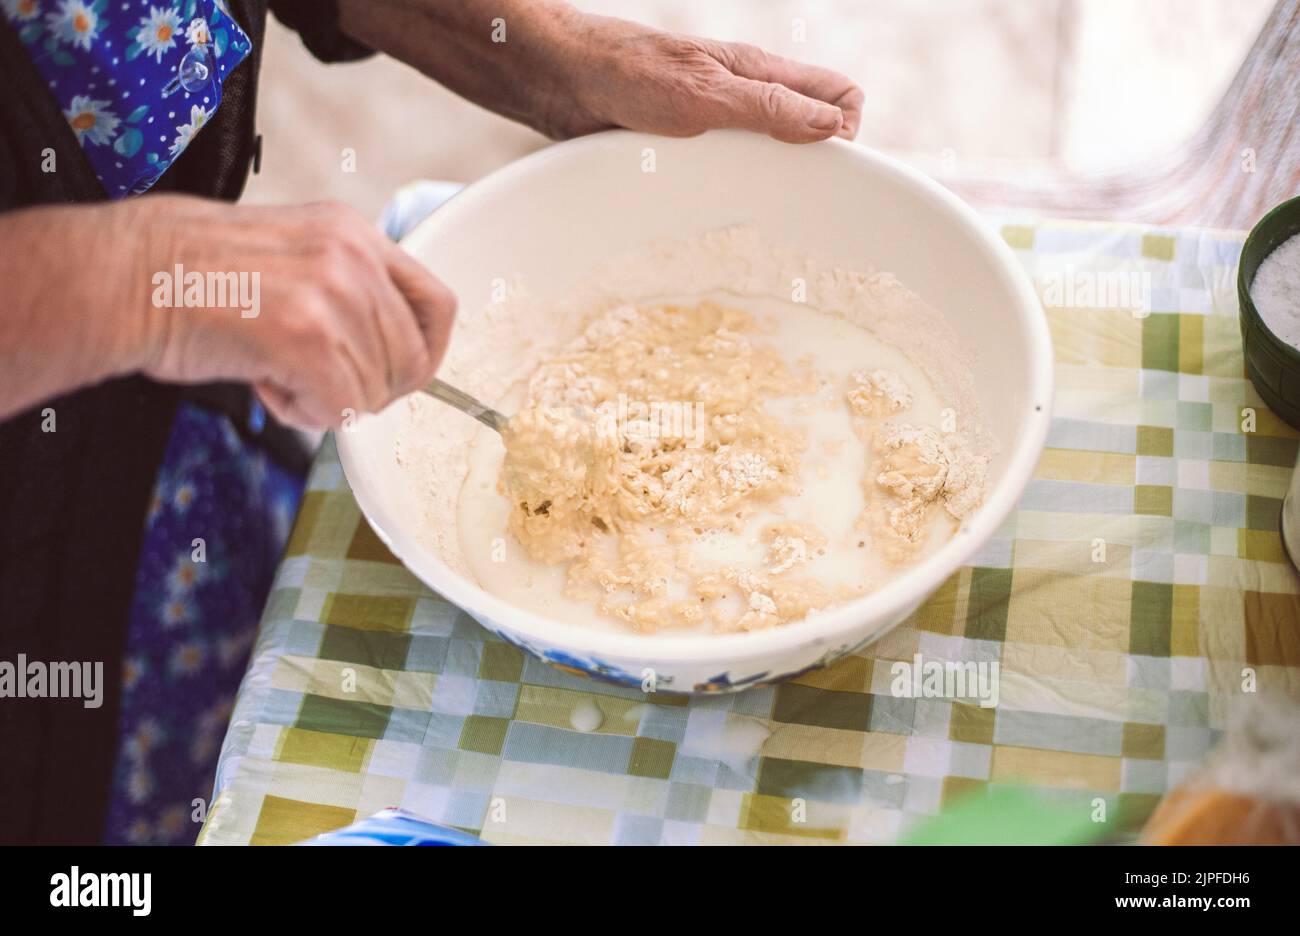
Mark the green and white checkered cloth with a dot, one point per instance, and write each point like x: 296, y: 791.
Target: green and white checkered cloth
x: 1132, y: 598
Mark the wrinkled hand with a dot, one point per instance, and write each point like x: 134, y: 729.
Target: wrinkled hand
x: 622, y: 74
x: 567, y: 73
x: 346, y: 319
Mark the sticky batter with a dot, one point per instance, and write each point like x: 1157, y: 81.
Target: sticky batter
x: 707, y: 469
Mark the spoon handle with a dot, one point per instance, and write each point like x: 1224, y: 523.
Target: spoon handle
x: 465, y: 403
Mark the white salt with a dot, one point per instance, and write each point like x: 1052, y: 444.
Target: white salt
x: 1276, y: 291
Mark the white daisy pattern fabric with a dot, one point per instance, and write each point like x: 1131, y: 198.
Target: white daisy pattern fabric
x: 192, y: 624
x: 136, y: 79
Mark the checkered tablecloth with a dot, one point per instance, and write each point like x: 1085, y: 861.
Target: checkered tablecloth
x: 1138, y: 591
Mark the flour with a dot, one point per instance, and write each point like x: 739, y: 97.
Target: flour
x: 623, y: 497
x: 597, y: 490
x: 1276, y: 291
x: 741, y: 472
x: 790, y: 545
x: 878, y: 393
x: 920, y: 468
x: 493, y: 349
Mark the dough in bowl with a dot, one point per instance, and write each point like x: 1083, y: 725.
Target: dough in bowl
x: 703, y: 453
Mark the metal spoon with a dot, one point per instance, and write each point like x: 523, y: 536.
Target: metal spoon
x: 441, y: 390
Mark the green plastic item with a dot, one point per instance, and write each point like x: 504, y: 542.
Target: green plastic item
x: 1008, y: 815
x: 1272, y: 365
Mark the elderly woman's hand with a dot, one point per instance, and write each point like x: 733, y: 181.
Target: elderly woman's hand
x: 348, y: 321
x: 340, y: 318
x: 621, y: 74
x: 568, y: 73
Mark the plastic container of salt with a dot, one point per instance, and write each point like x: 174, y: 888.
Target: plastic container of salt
x: 1268, y: 292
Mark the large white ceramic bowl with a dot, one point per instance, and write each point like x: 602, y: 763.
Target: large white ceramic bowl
x: 553, y: 216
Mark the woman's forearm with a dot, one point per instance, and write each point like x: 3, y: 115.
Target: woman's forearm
x: 65, y: 317
x: 501, y: 54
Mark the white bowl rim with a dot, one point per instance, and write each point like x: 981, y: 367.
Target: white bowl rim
x: 831, y: 628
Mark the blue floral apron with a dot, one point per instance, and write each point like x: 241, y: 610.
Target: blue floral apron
x: 137, y: 81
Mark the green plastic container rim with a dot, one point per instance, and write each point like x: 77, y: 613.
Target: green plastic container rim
x: 1272, y: 365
